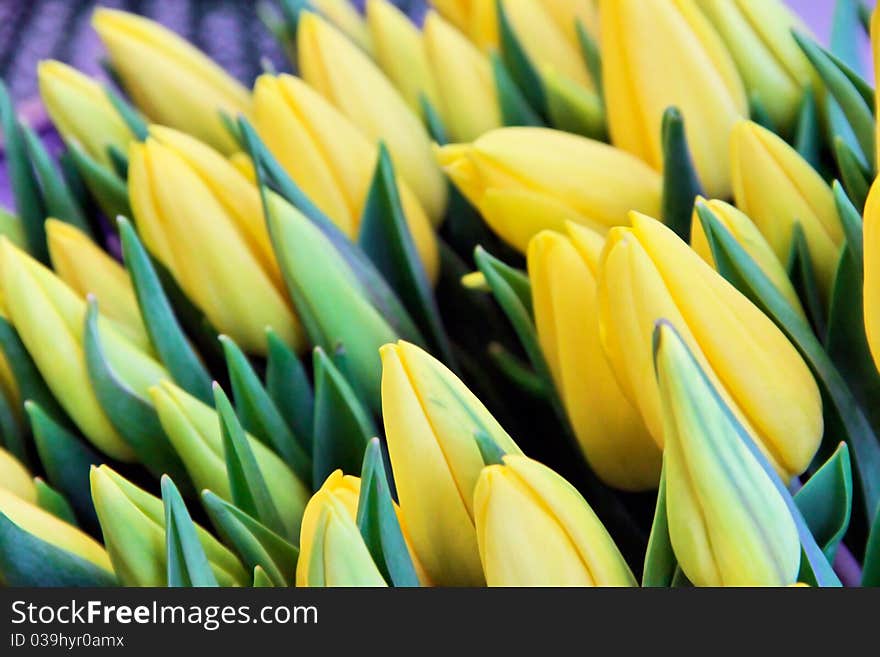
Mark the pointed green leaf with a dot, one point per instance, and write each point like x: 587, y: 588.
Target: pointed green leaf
x: 166, y: 334
x: 855, y: 178
x: 660, y: 562
x: 808, y: 133
x: 129, y: 114
x: 378, y: 523
x: 803, y: 277
x: 261, y: 579
x: 186, y: 559
x: 119, y: 161
x: 574, y: 108
x: 518, y: 63
x: 826, y: 501
x: 758, y: 112
x: 52, y: 501
x: 681, y: 186
x: 851, y: 220
x: 77, y: 186
x: 255, y: 544
x: 592, y: 56
x: 516, y: 371
x: 845, y: 32
x: 433, y: 122
x: 259, y: 415
x: 289, y: 387
x: 871, y: 568
x: 515, y: 108
x: 490, y: 451
x: 108, y: 190
x: 342, y: 423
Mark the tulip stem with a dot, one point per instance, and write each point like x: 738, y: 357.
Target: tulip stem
x: 847, y: 567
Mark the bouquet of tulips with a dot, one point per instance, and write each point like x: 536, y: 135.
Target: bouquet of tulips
x: 533, y: 292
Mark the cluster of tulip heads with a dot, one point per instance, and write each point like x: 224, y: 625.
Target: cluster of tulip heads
x: 538, y: 292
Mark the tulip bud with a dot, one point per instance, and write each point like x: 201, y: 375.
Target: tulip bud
x: 666, y: 53
x: 194, y: 430
x: 170, y: 80
x: 871, y: 290
x: 400, y: 52
x: 15, y: 478
x: 749, y: 237
x: 50, y: 318
x: 524, y: 180
x: 728, y: 524
x: 344, y: 16
x: 535, y: 529
x: 430, y: 422
x: 646, y: 274
x: 610, y: 430
x: 468, y: 101
x: 81, y: 111
x: 757, y: 33
x: 203, y: 220
x: 332, y: 550
x: 88, y: 269
x: 133, y: 525
x: 346, y: 77
x: 329, y: 158
x: 54, y: 531
x: 776, y: 187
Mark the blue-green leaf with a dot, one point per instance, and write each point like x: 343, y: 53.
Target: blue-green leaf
x: 129, y: 114
x: 515, y: 108
x: 186, y: 559
x: 490, y: 451
x: 826, y: 501
x: 855, y: 178
x: 681, y: 185
x: 261, y: 579
x: 803, y: 278
x: 758, y: 112
x: 808, y: 133
x: 108, y: 190
x: 660, y: 562
x: 518, y: 63
x: 289, y: 387
x: 433, y: 122
x: 54, y: 502
x: 851, y: 220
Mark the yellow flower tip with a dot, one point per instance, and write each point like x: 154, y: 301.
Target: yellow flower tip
x: 15, y: 478
x: 475, y: 281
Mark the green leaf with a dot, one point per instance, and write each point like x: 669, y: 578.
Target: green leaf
x: 433, y: 122
x: 574, y: 108
x: 166, y: 334
x: 518, y: 63
x: 871, y: 567
x: 186, y: 559
x: 660, y: 562
x: 26, y: 560
x: 845, y: 32
x: 851, y: 220
x: 378, y: 523
x: 515, y: 108
x: 25, y: 190
x: 803, y: 278
x: 758, y: 112
x: 490, y: 451
x: 119, y: 161
x: 681, y: 185
x: 52, y: 501
x: 246, y: 482
x: 128, y: 114
x: 592, y: 56
x: 385, y: 237
x: 808, y: 133
x: 259, y: 415
x: 108, y: 190
x: 289, y: 387
x: 843, y: 417
x: 826, y: 501
x: 67, y: 460
x: 255, y: 544
x: 516, y: 371
x: 343, y: 426
x: 133, y: 417
x: 856, y: 180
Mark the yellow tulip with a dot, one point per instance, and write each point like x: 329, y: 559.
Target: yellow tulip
x: 567, y: 13
x: 524, y: 180
x: 194, y: 431
x: 346, y: 77
x: 744, y: 231
x: 332, y: 550
x: 666, y: 53
x: 344, y: 16
x: 875, y: 47
x: 170, y: 80
x: 535, y: 529
x: 87, y: 269
x: 133, y: 525
x: 468, y: 102
x: 757, y: 34
x: 430, y: 420
x: 871, y: 290
x: 728, y: 524
x: 203, y: 220
x: 609, y: 429
x: 81, y: 111
x: 776, y: 187
x: 329, y: 158
x: 400, y: 52
x: 646, y: 274
x: 8, y: 384
x: 15, y: 478
x: 49, y: 317
x: 47, y: 527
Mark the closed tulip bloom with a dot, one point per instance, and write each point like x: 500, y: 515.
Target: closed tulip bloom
x: 728, y: 524
x: 81, y: 111
x: 430, y: 420
x: 347, y: 77
x: 42, y: 524
x: 194, y: 431
x: 609, y: 429
x: 524, y: 180
x: 332, y: 550
x: 344, y: 16
x: 468, y: 102
x: 535, y: 529
x: 329, y: 158
x: 646, y: 274
x: 203, y: 220
x: 49, y: 317
x: 871, y: 290
x: 170, y: 80
x: 88, y: 269
x: 133, y: 525
x: 746, y: 233
x: 666, y: 53
x: 757, y: 34
x: 400, y: 52
x: 776, y: 187
x: 15, y: 478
